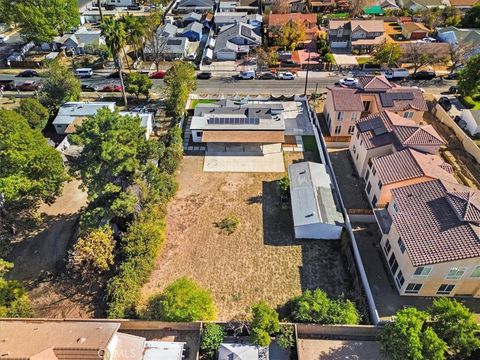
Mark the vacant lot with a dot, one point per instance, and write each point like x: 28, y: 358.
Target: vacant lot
x: 260, y: 260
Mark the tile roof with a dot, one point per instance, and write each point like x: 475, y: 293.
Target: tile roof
x: 345, y: 99
x: 374, y: 83
x: 282, y: 19
x: 429, y: 224
x: 410, y: 164
x: 414, y: 26
x: 463, y: 2
x: 368, y: 25
x: 417, y: 135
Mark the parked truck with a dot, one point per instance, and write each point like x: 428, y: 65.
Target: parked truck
x: 392, y: 74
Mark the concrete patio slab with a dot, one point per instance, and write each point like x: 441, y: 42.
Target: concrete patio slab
x: 224, y: 162
x: 313, y: 349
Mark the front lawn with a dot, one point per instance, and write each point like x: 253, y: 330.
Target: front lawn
x: 471, y: 102
x: 337, y: 16
x: 195, y: 102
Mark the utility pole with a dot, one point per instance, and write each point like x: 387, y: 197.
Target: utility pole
x: 306, y: 78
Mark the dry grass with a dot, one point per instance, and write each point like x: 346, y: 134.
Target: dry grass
x: 260, y: 260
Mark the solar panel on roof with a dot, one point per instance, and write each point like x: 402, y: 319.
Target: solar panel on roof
x: 233, y: 121
x: 174, y: 41
x: 246, y: 31
x: 388, y: 98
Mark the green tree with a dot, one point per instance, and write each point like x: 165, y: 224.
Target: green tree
x: 183, y: 301
x: 135, y: 27
x: 116, y: 39
x: 316, y: 307
x: 115, y: 155
x: 471, y: 19
x: 60, y: 85
x: 34, y: 112
x: 138, y: 84
x: 469, y: 79
x: 387, y: 53
x: 406, y: 338
x: 180, y: 81
x: 41, y: 20
x: 31, y: 171
x: 14, y: 301
x: 264, y: 323
x: 93, y: 252
x: 212, y: 337
x: 455, y: 325
x: 289, y: 36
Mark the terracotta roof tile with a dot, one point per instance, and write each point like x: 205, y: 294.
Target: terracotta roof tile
x: 429, y: 226
x: 282, y: 19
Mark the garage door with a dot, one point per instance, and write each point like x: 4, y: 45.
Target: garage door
x: 339, y: 44
x: 226, y: 55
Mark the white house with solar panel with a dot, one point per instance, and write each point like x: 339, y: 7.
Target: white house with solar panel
x: 315, y: 212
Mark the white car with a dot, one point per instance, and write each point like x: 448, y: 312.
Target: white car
x: 247, y: 75
x: 429, y: 40
x: 348, y: 82
x: 286, y: 75
x: 3, y: 38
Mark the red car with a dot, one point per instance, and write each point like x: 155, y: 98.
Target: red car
x: 29, y: 86
x: 112, y: 88
x: 157, y: 75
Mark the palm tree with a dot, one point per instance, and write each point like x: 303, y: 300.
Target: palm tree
x: 135, y: 29
x: 115, y: 37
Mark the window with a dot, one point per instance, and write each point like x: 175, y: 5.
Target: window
x: 369, y: 187
x: 338, y: 130
x: 354, y: 149
x: 395, y: 207
x: 476, y: 272
x: 358, y: 134
x: 340, y: 115
x: 422, y: 272
x: 199, y: 133
x: 413, y: 288
x: 357, y: 156
x: 401, y: 245
x: 400, y: 279
x: 366, y: 105
x: 456, y: 273
x: 387, y: 247
x: 393, y: 263
x: 351, y: 129
x: 374, y: 201
x: 408, y: 114
x: 373, y: 171
x: 367, y: 175
x: 379, y: 184
x: 354, y: 116
x: 445, y: 289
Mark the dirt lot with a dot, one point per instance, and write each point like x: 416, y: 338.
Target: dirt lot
x: 261, y: 260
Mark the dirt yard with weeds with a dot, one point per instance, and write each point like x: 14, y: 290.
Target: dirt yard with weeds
x: 259, y: 260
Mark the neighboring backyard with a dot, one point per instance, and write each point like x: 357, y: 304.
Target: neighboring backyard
x: 260, y: 260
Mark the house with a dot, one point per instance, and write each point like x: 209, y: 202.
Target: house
x: 167, y: 30
x: 199, y: 6
x: 193, y: 31
x: 298, y: 6
x: 455, y: 37
x: 384, y: 133
x: 120, y: 3
x: 372, y: 94
x: 234, y: 41
x: 235, y: 128
x: 249, y: 6
x: 322, y: 6
x: 472, y: 121
x: 191, y: 17
x: 229, y: 18
x: 71, y: 114
x: 414, y: 30
x: 238, y: 352
x: 315, y: 213
x: 80, y: 40
x: 176, y: 48
x: 307, y: 21
x: 55, y: 340
x: 431, y: 239
x: 421, y: 5
x: 389, y: 5
x: 360, y: 35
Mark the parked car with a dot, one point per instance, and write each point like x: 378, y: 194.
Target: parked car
x: 429, y: 40
x: 285, y: 75
x: 88, y: 87
x: 289, y: 63
x: 204, y: 75
x: 452, y: 76
x: 348, y: 82
x: 392, y: 74
x: 267, y: 76
x: 157, y: 75
x: 134, y: 7
x: 109, y: 7
x: 116, y: 75
x: 445, y: 103
x: 27, y: 73
x: 111, y: 88
x: 453, y: 90
x: 3, y: 38
x: 247, y: 75
x: 29, y: 86
x: 84, y: 72
x: 424, y: 75
x: 8, y: 84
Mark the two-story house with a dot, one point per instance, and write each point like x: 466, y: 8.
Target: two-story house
x: 431, y: 239
x: 361, y: 35
x: 373, y: 94
x: 235, y: 40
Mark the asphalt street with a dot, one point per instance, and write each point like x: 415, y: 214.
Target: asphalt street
x: 228, y: 85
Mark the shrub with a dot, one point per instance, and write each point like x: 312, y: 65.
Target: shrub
x: 316, y: 307
x: 212, y: 337
x: 284, y: 184
x: 468, y: 101
x: 14, y: 301
x: 286, y: 338
x: 264, y: 323
x: 35, y: 113
x: 228, y: 224
x: 184, y: 301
